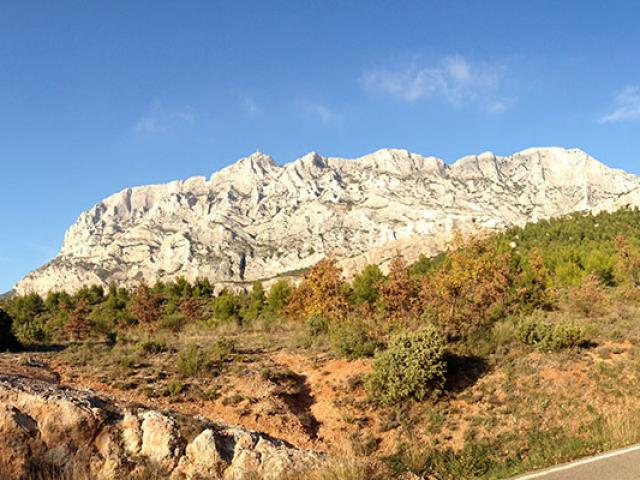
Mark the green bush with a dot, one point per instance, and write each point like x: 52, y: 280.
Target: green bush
x: 152, y: 347
x: 366, y: 285
x: 412, y: 366
x: 279, y: 294
x: 226, y: 307
x: 31, y: 331
x: 127, y: 362
x: 193, y: 361
x: 173, y: 321
x: 222, y: 349
x: 551, y: 337
x: 314, y: 328
x: 175, y: 388
x: 351, y: 339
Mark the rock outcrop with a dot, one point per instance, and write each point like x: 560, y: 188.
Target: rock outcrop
x: 48, y: 431
x: 255, y: 220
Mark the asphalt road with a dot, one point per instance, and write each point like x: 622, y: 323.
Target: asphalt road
x: 617, y: 465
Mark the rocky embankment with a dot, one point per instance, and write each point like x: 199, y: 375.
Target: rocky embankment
x: 51, y: 432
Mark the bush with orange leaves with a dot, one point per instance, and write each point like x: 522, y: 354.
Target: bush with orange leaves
x: 146, y: 306
x: 590, y: 298
x: 399, y: 292
x: 322, y: 293
x: 77, y: 320
x: 628, y: 268
x: 471, y: 289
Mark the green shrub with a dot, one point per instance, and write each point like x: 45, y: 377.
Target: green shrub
x: 551, y: 337
x: 127, y: 362
x: 222, y: 349
x: 152, y: 347
x: 173, y: 321
x: 412, y: 366
x: 314, y: 328
x: 193, y: 361
x: 366, y: 285
x: 279, y: 294
x: 226, y: 307
x: 175, y: 388
x: 31, y: 331
x: 351, y: 339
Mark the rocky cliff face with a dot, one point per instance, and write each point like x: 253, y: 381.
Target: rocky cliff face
x: 255, y: 220
x: 49, y: 431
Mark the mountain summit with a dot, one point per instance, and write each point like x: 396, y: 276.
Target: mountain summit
x: 256, y: 220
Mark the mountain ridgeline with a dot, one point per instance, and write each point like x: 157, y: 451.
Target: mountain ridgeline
x: 258, y: 221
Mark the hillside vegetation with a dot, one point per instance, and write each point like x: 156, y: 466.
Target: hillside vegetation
x: 500, y: 355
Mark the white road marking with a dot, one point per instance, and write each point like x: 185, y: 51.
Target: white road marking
x: 561, y: 468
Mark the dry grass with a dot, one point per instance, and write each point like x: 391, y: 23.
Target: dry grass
x: 346, y: 467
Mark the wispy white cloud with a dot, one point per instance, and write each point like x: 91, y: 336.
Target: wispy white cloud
x: 626, y: 106
x: 454, y: 79
x: 324, y: 113
x: 159, y: 119
x: 250, y: 106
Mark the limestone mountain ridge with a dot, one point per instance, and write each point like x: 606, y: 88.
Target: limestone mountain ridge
x: 257, y: 220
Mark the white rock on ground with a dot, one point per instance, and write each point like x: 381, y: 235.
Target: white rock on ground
x: 49, y: 431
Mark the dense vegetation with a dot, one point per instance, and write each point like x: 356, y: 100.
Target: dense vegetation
x: 463, y: 291
x: 546, y: 289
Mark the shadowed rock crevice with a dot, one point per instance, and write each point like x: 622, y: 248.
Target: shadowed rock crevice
x: 300, y: 401
x: 464, y: 371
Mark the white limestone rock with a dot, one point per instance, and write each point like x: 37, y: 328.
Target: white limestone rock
x: 255, y: 220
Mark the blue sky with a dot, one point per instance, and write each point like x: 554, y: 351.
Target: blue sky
x: 98, y: 96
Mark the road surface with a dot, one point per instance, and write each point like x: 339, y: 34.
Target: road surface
x: 621, y: 464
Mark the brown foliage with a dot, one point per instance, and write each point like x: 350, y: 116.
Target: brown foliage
x: 77, y: 320
x: 628, y: 270
x: 471, y: 289
x: 146, y: 306
x: 192, y: 308
x: 322, y: 292
x: 399, y: 292
x: 590, y: 298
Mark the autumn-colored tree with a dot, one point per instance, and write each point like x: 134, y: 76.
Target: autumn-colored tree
x: 146, y: 306
x: 192, y: 308
x: 628, y: 268
x: 399, y: 292
x: 590, y: 298
x: 470, y: 289
x: 322, y: 293
x: 77, y: 324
